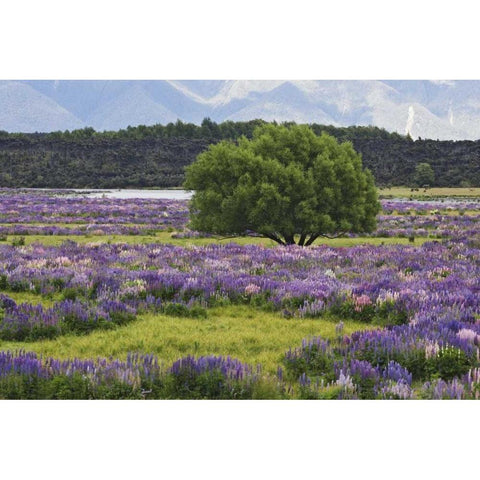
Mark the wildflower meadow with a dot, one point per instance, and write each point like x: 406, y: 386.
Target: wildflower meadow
x: 393, y: 315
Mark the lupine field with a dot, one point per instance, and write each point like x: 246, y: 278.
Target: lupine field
x: 127, y: 302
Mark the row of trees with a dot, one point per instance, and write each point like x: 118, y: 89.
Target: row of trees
x: 208, y: 130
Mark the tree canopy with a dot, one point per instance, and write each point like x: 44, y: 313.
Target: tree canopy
x: 286, y: 183
x: 424, y: 174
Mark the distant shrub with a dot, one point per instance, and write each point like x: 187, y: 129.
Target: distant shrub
x: 390, y: 313
x: 209, y: 378
x: 70, y: 294
x: 269, y: 389
x: 315, y: 358
x: 18, y: 242
x: 448, y: 363
x: 182, y: 310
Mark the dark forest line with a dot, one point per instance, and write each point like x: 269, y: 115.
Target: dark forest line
x: 155, y: 156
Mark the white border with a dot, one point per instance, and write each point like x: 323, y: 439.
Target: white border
x: 371, y: 39
x: 252, y: 39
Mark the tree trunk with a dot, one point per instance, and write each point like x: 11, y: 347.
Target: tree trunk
x: 312, y: 238
x: 289, y: 239
x: 273, y: 237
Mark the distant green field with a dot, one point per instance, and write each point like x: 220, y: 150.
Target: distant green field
x: 428, y: 193
x: 166, y: 237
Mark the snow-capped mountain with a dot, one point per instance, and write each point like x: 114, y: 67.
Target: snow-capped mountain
x: 442, y: 109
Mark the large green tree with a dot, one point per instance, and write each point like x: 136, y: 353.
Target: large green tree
x: 287, y: 184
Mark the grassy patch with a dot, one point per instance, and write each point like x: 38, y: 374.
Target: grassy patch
x: 33, y: 298
x: 242, y: 332
x: 429, y: 192
x: 166, y: 237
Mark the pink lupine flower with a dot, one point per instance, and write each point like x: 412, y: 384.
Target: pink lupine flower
x: 252, y: 289
x: 361, y: 302
x: 467, y: 334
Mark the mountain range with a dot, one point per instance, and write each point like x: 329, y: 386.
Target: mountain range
x: 441, y: 109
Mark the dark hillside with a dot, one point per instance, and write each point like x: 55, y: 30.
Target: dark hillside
x: 155, y: 156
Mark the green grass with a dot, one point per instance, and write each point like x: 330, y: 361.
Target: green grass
x: 33, y: 298
x: 429, y: 192
x: 166, y: 237
x: 253, y: 336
